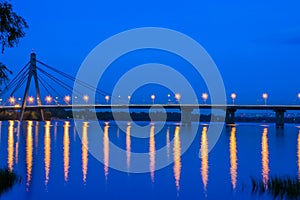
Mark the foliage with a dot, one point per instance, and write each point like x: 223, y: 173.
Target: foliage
x: 11, y: 30
x: 4, y: 72
x: 278, y: 187
x: 11, y: 26
x: 7, y: 180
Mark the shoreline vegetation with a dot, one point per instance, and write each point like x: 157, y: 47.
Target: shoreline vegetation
x: 279, y: 187
x: 7, y: 180
x: 140, y: 116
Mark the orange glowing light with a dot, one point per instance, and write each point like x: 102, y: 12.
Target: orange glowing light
x: 106, y: 98
x: 204, y: 157
x: 265, y: 157
x: 10, y: 147
x: 66, y: 150
x: 86, y: 98
x: 204, y: 96
x: 106, y: 149
x: 30, y: 99
x: 152, y: 153
x: 128, y: 146
x: 48, y: 99
x: 298, y: 155
x: 67, y: 99
x: 12, y: 100
x: 29, y: 152
x: 84, y: 149
x: 233, y: 157
x: 47, y: 151
x: 177, y: 159
x: 177, y: 96
x: 264, y: 95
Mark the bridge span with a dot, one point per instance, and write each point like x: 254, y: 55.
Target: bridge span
x: 186, y: 109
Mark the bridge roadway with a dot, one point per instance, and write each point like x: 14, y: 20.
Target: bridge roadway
x: 186, y: 109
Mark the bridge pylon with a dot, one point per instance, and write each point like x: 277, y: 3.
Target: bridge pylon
x: 32, y: 73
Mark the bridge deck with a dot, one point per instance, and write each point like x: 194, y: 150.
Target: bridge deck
x: 166, y: 106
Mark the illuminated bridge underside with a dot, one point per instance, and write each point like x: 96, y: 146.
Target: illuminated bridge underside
x: 186, y: 109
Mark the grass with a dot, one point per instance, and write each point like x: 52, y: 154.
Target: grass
x: 7, y: 180
x: 278, y: 187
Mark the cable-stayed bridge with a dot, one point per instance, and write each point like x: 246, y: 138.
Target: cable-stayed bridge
x: 47, y: 79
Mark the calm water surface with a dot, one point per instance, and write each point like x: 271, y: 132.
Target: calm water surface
x: 55, y: 162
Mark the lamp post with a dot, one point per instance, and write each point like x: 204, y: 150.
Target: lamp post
x: 12, y: 100
x: 30, y: 100
x: 107, y: 98
x: 48, y: 99
x: 233, y: 97
x: 67, y: 99
x: 177, y: 97
x: 204, y: 97
x: 86, y: 98
x: 152, y: 97
x: 265, y: 97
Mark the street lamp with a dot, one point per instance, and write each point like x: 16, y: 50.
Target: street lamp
x: 265, y: 97
x: 204, y: 97
x: 299, y: 95
x: 177, y: 97
x: 12, y: 100
x: 107, y: 98
x: 86, y: 98
x: 233, y: 96
x: 67, y: 99
x: 30, y: 99
x: 152, y: 97
x: 48, y: 99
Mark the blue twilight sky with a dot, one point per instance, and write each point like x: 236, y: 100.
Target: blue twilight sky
x: 255, y: 44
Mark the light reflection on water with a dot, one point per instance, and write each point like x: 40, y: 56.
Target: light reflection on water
x: 64, y: 161
x: 128, y: 146
x: 17, y: 143
x: 47, y: 151
x: 265, y: 156
x: 10, y: 148
x: 298, y: 154
x: 29, y: 150
x: 177, y: 159
x: 66, y: 150
x: 233, y: 157
x: 152, y: 152
x: 106, y: 149
x: 84, y: 149
x: 204, y: 157
x: 168, y: 142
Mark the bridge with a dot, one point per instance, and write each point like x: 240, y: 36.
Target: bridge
x: 31, y: 71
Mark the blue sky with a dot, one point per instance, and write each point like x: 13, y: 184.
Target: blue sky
x: 255, y: 44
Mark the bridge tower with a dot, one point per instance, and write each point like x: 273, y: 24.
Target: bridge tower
x: 32, y: 73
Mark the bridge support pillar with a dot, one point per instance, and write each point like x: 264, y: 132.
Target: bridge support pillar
x: 230, y: 113
x: 186, y: 116
x: 279, y: 118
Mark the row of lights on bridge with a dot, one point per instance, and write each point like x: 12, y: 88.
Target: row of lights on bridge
x: 49, y: 99
x: 67, y: 99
